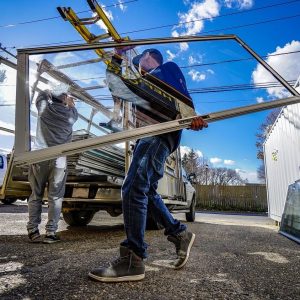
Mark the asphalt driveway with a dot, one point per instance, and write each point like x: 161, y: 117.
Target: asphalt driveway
x: 234, y: 257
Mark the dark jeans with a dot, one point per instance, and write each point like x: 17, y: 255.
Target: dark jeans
x: 139, y: 194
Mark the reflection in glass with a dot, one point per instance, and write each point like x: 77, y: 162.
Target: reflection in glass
x: 290, y: 223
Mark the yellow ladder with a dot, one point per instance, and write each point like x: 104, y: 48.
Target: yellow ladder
x: 68, y: 14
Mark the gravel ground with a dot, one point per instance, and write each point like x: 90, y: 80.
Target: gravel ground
x: 234, y: 257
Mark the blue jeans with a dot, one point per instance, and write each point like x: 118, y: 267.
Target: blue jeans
x: 139, y: 194
x: 54, y: 173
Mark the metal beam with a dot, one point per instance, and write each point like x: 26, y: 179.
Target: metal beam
x: 22, y: 115
x: 267, y: 67
x: 7, y: 62
x: 94, y: 87
x: 80, y: 63
x: 163, y: 41
x: 140, y: 42
x: 4, y: 49
x: 7, y: 130
x: 152, y: 130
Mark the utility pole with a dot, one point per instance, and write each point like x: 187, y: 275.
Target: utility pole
x: 206, y: 170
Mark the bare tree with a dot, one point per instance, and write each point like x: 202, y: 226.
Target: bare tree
x: 261, y: 172
x: 261, y: 135
x: 263, y: 131
x: 2, y: 75
x: 206, y: 174
x: 225, y: 176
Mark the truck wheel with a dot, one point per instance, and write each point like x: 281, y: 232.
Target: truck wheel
x: 8, y: 200
x: 152, y: 224
x: 190, y: 216
x: 78, y: 218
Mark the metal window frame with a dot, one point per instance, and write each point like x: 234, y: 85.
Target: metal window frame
x: 23, y: 154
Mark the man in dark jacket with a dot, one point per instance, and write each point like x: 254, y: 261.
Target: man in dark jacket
x: 56, y: 116
x: 139, y: 188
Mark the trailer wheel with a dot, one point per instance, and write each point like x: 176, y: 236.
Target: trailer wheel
x: 78, y: 218
x: 8, y: 200
x: 190, y: 216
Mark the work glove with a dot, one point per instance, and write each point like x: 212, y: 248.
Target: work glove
x: 198, y: 123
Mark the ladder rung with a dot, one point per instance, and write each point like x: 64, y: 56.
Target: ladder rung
x: 88, y: 21
x: 100, y: 37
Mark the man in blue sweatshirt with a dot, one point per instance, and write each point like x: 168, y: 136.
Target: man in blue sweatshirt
x: 139, y: 188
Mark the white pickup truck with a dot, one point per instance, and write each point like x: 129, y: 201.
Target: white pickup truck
x: 85, y: 195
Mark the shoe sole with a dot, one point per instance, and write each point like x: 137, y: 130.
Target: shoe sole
x: 50, y: 242
x: 36, y: 240
x: 187, y: 254
x: 117, y: 279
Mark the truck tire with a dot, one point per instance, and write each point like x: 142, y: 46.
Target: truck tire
x: 8, y: 200
x: 78, y: 218
x: 190, y: 216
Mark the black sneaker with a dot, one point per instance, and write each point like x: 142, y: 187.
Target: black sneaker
x: 128, y: 267
x: 34, y: 236
x: 51, y: 238
x: 183, y: 243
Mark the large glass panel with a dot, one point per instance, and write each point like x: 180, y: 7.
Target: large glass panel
x: 219, y: 75
x: 290, y: 223
x: 7, y: 107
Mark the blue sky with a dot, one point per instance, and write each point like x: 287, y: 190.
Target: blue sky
x: 268, y: 27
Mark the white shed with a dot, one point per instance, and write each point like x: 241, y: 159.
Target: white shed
x: 282, y: 158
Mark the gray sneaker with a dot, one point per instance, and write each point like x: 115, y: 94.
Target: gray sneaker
x: 51, y: 238
x: 128, y: 267
x: 34, y: 236
x: 183, y: 242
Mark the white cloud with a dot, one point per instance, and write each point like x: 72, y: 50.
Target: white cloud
x: 215, y: 160
x: 229, y: 162
x: 210, y: 71
x: 287, y: 66
x: 36, y: 58
x: 196, y: 75
x: 191, y: 22
x: 5, y: 150
x: 250, y: 175
x: 186, y: 150
x: 240, y: 4
x: 175, y: 33
x: 171, y: 55
x: 100, y: 22
x: 183, y: 47
x: 260, y: 99
x: 4, y: 133
x: 64, y: 58
x: 195, y: 59
x: 86, y: 72
x: 121, y: 5
x: 8, y: 87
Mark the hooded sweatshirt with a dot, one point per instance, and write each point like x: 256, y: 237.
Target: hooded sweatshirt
x: 55, y: 121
